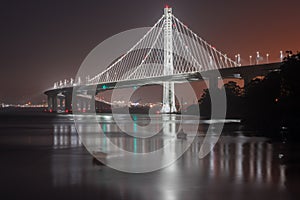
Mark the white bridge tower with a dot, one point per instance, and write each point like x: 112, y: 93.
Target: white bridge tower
x: 168, y: 87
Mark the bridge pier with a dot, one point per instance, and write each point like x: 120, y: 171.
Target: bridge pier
x: 83, y: 106
x: 85, y: 102
x: 91, y: 101
x: 60, y: 99
x: 213, y: 82
x: 80, y: 105
x: 76, y: 105
x: 91, y: 106
x: 68, y: 101
x: 168, y: 98
x: 52, y: 102
x: 49, y: 100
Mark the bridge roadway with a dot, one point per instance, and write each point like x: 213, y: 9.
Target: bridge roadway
x: 60, y: 99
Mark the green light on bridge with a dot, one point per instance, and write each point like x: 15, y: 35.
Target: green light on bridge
x: 104, y: 87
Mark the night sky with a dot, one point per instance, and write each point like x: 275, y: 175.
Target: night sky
x: 46, y: 41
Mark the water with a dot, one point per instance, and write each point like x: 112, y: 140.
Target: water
x: 42, y: 158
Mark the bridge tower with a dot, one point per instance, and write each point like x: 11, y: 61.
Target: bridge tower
x: 168, y: 87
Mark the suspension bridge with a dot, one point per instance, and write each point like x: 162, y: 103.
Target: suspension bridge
x: 169, y: 52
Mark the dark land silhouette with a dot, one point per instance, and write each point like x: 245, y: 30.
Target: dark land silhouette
x: 269, y: 104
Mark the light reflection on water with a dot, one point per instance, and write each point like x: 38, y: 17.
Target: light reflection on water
x: 65, y: 136
x: 247, y: 160
x: 237, y: 163
x: 239, y: 158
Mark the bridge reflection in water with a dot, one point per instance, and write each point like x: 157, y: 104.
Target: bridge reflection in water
x: 238, y: 159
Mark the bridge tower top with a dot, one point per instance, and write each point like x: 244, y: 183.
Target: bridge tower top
x: 168, y: 42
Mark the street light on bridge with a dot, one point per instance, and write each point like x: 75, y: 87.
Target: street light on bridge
x: 257, y: 57
x: 281, y: 56
x: 268, y: 57
x: 239, y: 59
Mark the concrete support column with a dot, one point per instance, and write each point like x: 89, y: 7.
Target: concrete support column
x: 92, y: 103
x: 61, y: 103
x: 50, y: 102
x: 54, y: 103
x: 68, y: 102
x: 213, y: 82
x: 78, y: 105
x: 83, y: 105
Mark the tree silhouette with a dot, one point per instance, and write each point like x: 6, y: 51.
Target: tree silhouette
x: 234, y: 95
x: 266, y: 104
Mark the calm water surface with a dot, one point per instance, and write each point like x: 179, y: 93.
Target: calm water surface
x: 42, y: 158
